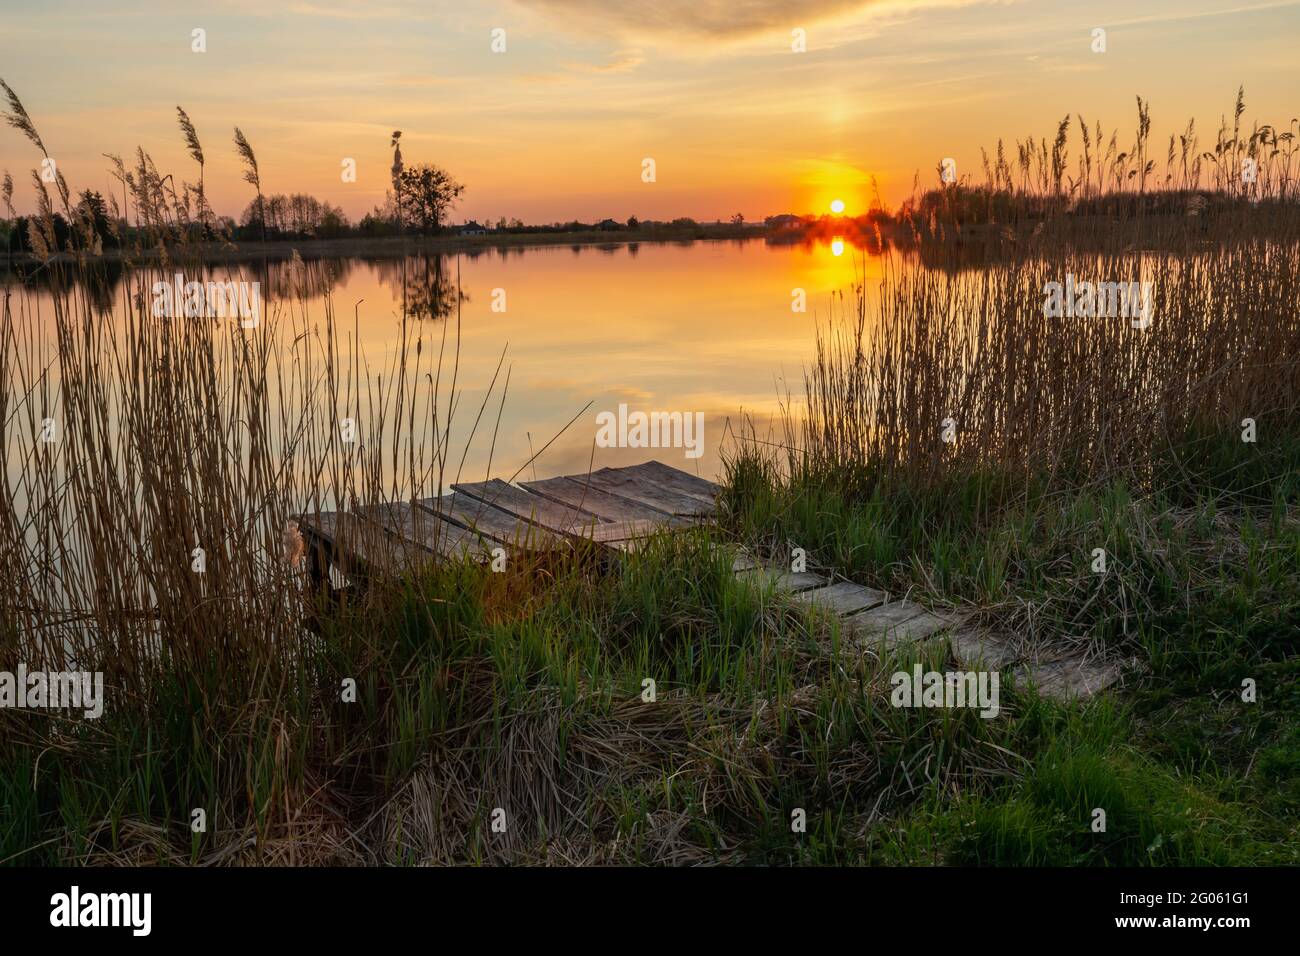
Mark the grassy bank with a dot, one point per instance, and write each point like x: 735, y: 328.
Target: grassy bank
x: 1199, y: 597
x: 524, y: 691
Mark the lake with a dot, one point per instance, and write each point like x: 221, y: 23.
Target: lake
x: 703, y: 329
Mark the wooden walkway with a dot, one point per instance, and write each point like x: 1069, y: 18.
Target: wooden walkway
x: 878, y: 624
x: 616, y: 508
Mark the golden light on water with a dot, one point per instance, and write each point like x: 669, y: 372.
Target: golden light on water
x: 837, y: 207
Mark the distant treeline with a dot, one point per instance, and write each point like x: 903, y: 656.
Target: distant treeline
x: 300, y: 217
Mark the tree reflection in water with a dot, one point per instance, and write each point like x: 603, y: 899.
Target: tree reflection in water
x: 427, y: 285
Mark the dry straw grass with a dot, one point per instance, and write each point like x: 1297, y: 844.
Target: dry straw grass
x: 1029, y: 393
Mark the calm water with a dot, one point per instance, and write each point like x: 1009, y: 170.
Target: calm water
x: 705, y: 327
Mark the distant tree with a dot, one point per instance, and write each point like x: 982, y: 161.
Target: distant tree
x: 297, y: 216
x: 632, y: 222
x: 94, y: 214
x: 428, y: 193
x: 738, y: 219
x: 376, y: 224
x: 333, y: 223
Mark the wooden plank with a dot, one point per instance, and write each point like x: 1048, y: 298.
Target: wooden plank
x: 624, y: 484
x: 896, y: 623
x: 492, y: 523
x: 782, y: 580
x: 741, y: 560
x: 843, y: 598
x: 562, y: 518
x: 974, y: 648
x: 358, y: 548
x: 320, y: 524
x: 597, y: 502
x: 878, y: 620
x: 675, y: 479
x: 317, y: 557
x: 425, y: 530
x: 1071, y: 678
x: 626, y: 545
x: 621, y: 530
x: 318, y: 531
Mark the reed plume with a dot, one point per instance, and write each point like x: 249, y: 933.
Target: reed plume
x: 251, y: 175
x: 192, y: 144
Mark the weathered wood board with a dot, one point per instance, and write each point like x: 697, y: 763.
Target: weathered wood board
x: 624, y: 483
x: 782, y: 580
x: 897, y: 623
x: 554, y: 515
x: 574, y: 493
x: 388, y: 538
x: 417, y: 526
x: 356, y: 547
x: 675, y: 480
x: 843, y: 598
x: 492, y: 524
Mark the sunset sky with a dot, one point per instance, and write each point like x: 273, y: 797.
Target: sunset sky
x: 557, y: 126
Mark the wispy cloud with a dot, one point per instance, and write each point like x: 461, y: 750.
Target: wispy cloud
x: 621, y: 62
x: 708, y: 20
x: 1180, y: 15
x: 400, y: 11
x: 347, y: 10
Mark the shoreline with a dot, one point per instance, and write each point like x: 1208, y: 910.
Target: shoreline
x: 397, y: 246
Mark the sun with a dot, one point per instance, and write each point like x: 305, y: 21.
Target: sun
x: 837, y: 206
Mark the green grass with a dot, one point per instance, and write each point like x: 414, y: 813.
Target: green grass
x: 1203, y: 591
x: 524, y: 690
x: 1158, y: 810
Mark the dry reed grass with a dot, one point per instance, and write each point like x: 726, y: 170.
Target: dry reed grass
x: 1078, y: 397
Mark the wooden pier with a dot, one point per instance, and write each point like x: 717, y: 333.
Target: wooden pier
x: 616, y: 508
